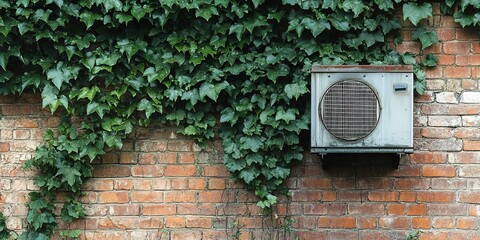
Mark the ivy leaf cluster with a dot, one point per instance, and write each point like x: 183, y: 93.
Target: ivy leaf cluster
x: 108, y: 66
x: 4, y: 232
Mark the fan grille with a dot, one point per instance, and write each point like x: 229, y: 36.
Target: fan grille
x: 350, y: 110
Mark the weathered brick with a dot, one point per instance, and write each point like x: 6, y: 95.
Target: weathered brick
x: 469, y: 171
x: 393, y: 222
x: 396, y: 209
x: 444, y: 121
x: 468, y: 132
x: 436, y: 196
x: 469, y: 84
x: 446, y: 97
x: 428, y: 157
x: 456, y: 47
x: 150, y: 196
x: 337, y: 222
x: 436, y: 132
x: 467, y: 60
x: 417, y: 210
x: 471, y: 145
x: 180, y: 170
x: 198, y: 222
x: 467, y: 223
x: 443, y: 222
x: 421, y: 223
x: 159, y: 209
x: 470, y: 97
x: 448, y: 184
x: 383, y: 196
x: 113, y: 197
x: 365, y: 209
x: 457, y: 72
x: 438, y: 171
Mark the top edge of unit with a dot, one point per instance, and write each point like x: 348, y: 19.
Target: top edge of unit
x: 361, y: 68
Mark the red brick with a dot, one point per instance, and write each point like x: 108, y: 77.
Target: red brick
x: 186, y: 158
x: 180, y: 170
x: 179, y: 146
x: 141, y: 196
x: 305, y: 196
x: 250, y: 222
x: 179, y: 183
x: 456, y: 47
x: 438, y: 171
x: 113, y: 197
x: 446, y: 60
x: 4, y: 147
x: 177, y: 196
x: 337, y: 222
x: 449, y: 109
x: 436, y: 132
x: 325, y: 209
x: 199, y: 222
x: 215, y: 171
x: 469, y: 197
x: 436, y: 196
x: 445, y: 34
x: 436, y: 235
x: 434, y: 72
x: 123, y: 184
x: 147, y: 171
x: 159, y: 209
x: 417, y: 210
x: 196, y: 209
x: 128, y: 157
x: 457, y: 72
x: 111, y: 170
x: 471, y: 145
x: 329, y: 196
x: 467, y: 223
x: 212, y: 196
x: 447, y: 209
x: 16, y: 110
x: 412, y: 183
x: 174, y: 222
x: 216, y: 183
x: 150, y: 223
x: 467, y: 133
x: 383, y: 196
x: 350, y: 196
x: 367, y: 222
x: 124, y: 210
x: 109, y: 158
x: 395, y: 222
x: 450, y: 183
x: 467, y: 60
x: 196, y: 183
x: 395, y: 209
x: 117, y: 223
x: 421, y: 223
x: 443, y: 222
x: 315, y: 183
x: 366, y: 209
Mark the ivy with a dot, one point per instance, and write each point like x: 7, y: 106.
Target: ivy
x: 4, y: 232
x: 243, y: 65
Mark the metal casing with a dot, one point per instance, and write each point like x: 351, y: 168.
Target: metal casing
x: 394, y: 130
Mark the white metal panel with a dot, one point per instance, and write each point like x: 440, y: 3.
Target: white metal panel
x: 394, y: 131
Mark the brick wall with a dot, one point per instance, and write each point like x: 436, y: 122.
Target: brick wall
x: 161, y: 186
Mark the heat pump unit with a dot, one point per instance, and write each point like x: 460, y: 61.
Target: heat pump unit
x: 362, y: 109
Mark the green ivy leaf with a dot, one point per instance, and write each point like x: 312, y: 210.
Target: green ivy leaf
x: 296, y: 89
x: 416, y: 12
x: 426, y: 37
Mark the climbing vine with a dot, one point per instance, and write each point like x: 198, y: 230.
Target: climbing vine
x: 243, y: 65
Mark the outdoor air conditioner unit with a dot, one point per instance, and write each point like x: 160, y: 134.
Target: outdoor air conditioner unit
x: 362, y: 109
